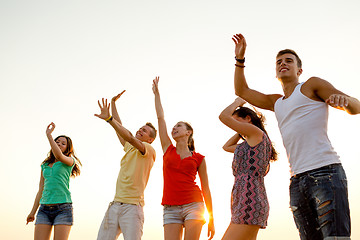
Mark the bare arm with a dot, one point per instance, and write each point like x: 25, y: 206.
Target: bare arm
x: 55, y: 148
x: 231, y: 144
x: 242, y: 90
x: 319, y: 89
x: 164, y: 137
x: 116, y: 115
x: 31, y: 216
x: 252, y: 133
x: 123, y: 132
x: 207, y: 197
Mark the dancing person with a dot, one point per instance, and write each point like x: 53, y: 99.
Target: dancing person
x: 182, y: 198
x: 125, y: 213
x: 249, y: 203
x: 318, y: 184
x: 54, y: 195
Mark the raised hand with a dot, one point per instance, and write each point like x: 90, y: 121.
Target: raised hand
x: 104, y: 108
x: 240, y: 45
x: 50, y: 128
x: 155, y: 86
x: 117, y: 96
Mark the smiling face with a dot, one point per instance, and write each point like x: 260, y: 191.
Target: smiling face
x: 287, y: 66
x: 144, y: 134
x: 180, y: 130
x: 62, y: 143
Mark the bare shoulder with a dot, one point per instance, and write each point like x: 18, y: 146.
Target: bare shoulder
x: 273, y: 98
x: 318, y: 89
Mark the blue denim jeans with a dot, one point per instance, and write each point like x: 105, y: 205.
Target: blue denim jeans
x: 319, y: 202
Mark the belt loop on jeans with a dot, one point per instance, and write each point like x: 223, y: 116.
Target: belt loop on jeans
x: 324, y: 167
x: 106, y: 225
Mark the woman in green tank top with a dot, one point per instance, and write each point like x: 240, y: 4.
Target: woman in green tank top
x: 54, y: 196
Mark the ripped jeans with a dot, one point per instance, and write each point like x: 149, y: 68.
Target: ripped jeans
x: 319, y: 203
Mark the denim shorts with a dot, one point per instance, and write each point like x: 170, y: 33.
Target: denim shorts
x: 181, y: 213
x: 319, y: 202
x: 57, y: 214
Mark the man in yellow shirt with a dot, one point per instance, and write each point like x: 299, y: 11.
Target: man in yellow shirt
x: 125, y: 214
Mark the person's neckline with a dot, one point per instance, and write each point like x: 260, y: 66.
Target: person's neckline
x: 285, y: 98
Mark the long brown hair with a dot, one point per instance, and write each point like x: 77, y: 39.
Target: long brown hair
x: 69, y: 152
x: 258, y: 120
x: 191, y: 144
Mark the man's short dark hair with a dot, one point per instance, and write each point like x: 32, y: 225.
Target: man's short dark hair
x: 282, y: 52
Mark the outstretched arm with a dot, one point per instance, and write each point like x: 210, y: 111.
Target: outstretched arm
x: 242, y: 90
x: 207, y: 197
x: 123, y: 132
x: 164, y: 137
x: 55, y: 148
x: 31, y: 216
x: 328, y: 93
x: 252, y: 133
x: 116, y: 115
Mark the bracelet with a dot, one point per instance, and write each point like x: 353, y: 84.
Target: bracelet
x: 239, y: 66
x: 240, y: 60
x: 109, y: 118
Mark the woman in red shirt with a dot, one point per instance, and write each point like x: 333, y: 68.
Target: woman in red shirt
x: 182, y: 198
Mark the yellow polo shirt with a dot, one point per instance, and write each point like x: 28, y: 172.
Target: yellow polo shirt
x: 134, y: 174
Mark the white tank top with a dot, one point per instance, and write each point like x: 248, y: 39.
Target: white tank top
x: 303, y: 126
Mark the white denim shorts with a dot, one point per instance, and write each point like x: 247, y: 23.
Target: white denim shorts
x: 124, y: 218
x: 181, y: 213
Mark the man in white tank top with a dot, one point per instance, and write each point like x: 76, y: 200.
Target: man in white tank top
x: 318, y: 187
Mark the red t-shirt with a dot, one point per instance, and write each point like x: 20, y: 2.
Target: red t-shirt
x: 179, y: 178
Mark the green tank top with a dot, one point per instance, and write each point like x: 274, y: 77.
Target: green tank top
x: 56, y: 183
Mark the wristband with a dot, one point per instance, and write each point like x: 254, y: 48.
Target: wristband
x: 240, y: 60
x: 109, y: 118
x: 240, y: 66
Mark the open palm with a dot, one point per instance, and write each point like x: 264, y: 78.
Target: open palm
x: 104, y: 109
x: 240, y: 45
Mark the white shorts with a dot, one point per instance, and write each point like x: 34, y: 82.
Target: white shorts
x: 181, y: 213
x: 124, y: 218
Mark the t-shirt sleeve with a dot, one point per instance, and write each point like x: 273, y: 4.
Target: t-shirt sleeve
x: 170, y: 147
x: 199, y: 158
x: 127, y: 146
x: 149, y: 151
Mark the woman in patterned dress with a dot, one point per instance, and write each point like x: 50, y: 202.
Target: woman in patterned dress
x: 249, y: 204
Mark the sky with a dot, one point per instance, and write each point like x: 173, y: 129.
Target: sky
x: 58, y: 58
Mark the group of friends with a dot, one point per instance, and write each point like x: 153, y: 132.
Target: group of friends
x: 318, y: 184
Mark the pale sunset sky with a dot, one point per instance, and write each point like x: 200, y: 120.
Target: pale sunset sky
x: 58, y: 58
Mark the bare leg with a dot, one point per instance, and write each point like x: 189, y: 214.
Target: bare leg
x: 193, y: 229
x: 241, y: 232
x: 173, y: 231
x: 42, y: 232
x: 61, y: 232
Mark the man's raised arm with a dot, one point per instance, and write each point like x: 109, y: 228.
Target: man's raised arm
x: 120, y: 130
x: 116, y: 115
x: 242, y: 90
